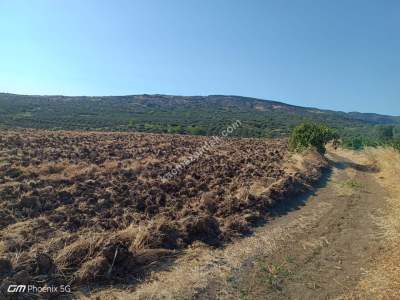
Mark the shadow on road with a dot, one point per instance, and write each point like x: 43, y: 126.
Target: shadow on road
x: 342, y: 163
x: 296, y: 202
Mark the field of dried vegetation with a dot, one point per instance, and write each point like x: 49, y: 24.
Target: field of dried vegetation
x: 93, y: 209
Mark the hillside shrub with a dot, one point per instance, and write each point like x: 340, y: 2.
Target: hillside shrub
x: 353, y: 143
x: 384, y: 133
x: 307, y: 135
x: 360, y: 142
x: 396, y: 145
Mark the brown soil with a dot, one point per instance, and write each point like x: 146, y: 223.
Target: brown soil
x: 322, y: 246
x: 93, y: 209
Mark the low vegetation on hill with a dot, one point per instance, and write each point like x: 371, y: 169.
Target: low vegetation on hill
x: 208, y: 115
x: 380, y: 135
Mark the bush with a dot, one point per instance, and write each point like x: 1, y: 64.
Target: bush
x: 131, y: 123
x: 396, y: 145
x: 360, y: 142
x: 384, y: 133
x: 353, y: 143
x: 196, y: 130
x: 308, y: 135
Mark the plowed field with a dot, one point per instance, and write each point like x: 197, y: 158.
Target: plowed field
x: 97, y: 208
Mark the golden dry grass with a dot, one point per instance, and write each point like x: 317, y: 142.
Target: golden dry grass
x: 382, y: 280
x: 57, y: 171
x: 79, y: 251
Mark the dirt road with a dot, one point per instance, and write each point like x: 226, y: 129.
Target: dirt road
x: 338, y: 242
x: 321, y: 246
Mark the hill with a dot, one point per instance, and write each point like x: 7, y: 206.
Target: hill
x: 197, y: 115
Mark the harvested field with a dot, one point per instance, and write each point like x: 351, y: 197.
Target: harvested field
x: 92, y: 208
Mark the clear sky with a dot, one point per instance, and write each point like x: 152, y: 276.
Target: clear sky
x: 336, y: 54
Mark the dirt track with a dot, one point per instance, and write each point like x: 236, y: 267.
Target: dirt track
x: 318, y: 247
x: 331, y: 253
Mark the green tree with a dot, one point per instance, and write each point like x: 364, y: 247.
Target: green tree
x: 308, y: 135
x: 396, y: 144
x: 396, y: 132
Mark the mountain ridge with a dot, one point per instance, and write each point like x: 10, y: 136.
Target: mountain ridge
x: 247, y: 98
x: 205, y: 115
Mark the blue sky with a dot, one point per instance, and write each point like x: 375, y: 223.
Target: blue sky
x: 342, y: 55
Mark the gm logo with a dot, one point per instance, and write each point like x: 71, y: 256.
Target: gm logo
x: 13, y: 288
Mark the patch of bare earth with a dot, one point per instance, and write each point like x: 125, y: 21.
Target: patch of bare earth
x: 94, y: 210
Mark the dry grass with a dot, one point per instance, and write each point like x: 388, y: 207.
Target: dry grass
x: 348, y: 187
x: 382, y: 281
x: 79, y: 251
x: 13, y: 237
x: 58, y: 171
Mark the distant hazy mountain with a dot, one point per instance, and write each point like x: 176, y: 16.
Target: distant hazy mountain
x: 173, y: 114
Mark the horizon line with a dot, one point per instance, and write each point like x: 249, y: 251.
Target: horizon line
x: 209, y: 95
